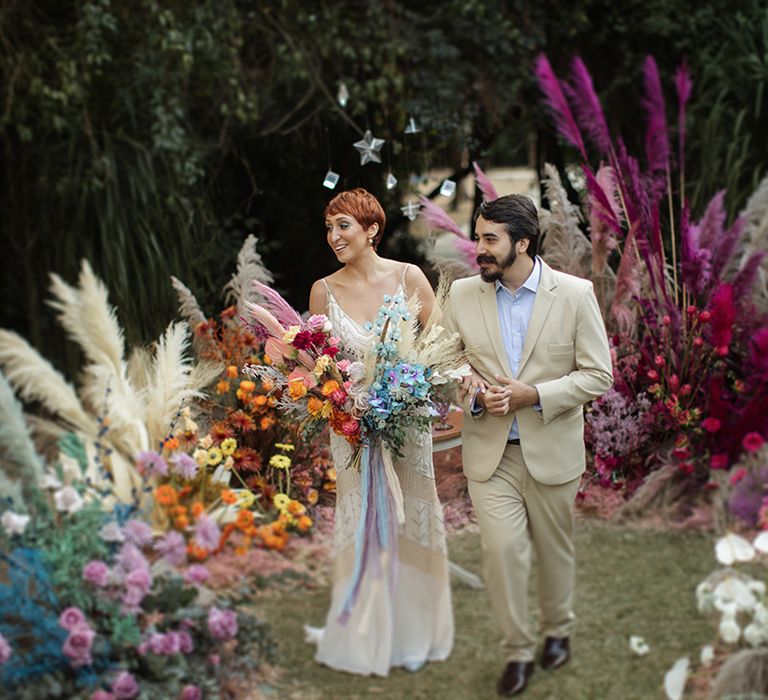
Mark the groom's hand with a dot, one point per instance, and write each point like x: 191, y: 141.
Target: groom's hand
x: 495, y: 400
x: 471, y: 385
x: 519, y: 393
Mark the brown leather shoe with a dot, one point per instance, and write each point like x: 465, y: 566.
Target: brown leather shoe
x: 557, y: 651
x: 515, y: 678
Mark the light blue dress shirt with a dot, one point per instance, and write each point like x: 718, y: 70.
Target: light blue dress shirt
x: 515, y: 310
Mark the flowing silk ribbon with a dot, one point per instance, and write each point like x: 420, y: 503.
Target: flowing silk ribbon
x: 381, y: 510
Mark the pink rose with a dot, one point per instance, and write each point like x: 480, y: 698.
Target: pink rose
x: 101, y: 695
x: 350, y: 427
x: 77, y: 646
x: 317, y: 322
x: 339, y: 397
x: 752, y: 442
x: 719, y: 461
x: 5, y: 650
x: 190, y: 692
x: 96, y: 573
x: 125, y: 687
x: 222, y: 624
x: 711, y: 425
x: 71, y: 618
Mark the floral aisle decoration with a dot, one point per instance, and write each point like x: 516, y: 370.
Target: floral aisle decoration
x: 373, y: 402
x: 96, y: 605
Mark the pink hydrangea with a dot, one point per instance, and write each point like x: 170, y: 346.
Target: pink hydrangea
x: 125, y: 687
x: 164, y: 644
x: 71, y: 618
x: 101, y: 694
x: 196, y: 573
x: 207, y: 533
x: 77, y: 646
x: 190, y: 692
x: 186, y: 645
x: 140, y: 579
x: 222, y: 624
x: 130, y: 558
x: 151, y: 463
x: 96, y: 572
x: 172, y: 548
x: 138, y: 532
x: 5, y: 650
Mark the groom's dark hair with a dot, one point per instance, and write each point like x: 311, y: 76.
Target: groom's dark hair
x: 518, y: 213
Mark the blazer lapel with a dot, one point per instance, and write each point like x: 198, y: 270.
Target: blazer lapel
x: 545, y: 296
x: 490, y: 312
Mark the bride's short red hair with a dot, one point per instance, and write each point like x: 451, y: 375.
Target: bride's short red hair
x: 361, y: 205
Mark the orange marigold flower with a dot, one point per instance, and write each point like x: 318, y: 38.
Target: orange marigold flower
x: 259, y: 400
x: 244, y: 520
x: 181, y: 523
x: 222, y: 387
x: 267, y: 422
x: 179, y: 510
x: 197, y: 509
x: 304, y: 523
x: 267, y: 359
x: 247, y: 386
x: 272, y: 401
x: 314, y: 405
x: 171, y: 443
x: 232, y: 371
x: 221, y: 431
x: 229, y: 497
x: 229, y: 312
x: 329, y: 387
x: 166, y: 495
x: 242, y: 421
x: 184, y: 491
x: 296, y: 508
x: 196, y: 552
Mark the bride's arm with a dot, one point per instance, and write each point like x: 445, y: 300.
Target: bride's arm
x: 318, y: 298
x: 416, y: 282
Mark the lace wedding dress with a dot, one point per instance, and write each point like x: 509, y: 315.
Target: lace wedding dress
x: 408, y: 624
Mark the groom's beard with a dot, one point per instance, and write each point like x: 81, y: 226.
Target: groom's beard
x: 496, y: 273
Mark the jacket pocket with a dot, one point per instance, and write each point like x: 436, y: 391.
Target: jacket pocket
x: 560, y: 348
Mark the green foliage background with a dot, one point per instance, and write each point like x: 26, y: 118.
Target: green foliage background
x: 151, y: 136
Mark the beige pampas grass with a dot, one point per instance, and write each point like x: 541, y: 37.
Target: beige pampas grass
x: 188, y: 306
x: 755, y: 238
x: 249, y: 267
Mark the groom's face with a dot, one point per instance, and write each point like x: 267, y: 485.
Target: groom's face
x: 495, y: 252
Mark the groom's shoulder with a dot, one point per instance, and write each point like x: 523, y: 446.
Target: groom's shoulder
x: 570, y: 282
x: 466, y: 285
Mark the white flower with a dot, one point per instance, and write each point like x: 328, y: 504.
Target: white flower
x: 112, y: 532
x: 49, y: 481
x: 674, y: 679
x: 734, y: 590
x: 729, y: 630
x: 707, y: 655
x: 761, y: 542
x: 206, y: 442
x: 68, y: 500
x: 756, y: 587
x: 638, y: 645
x: 704, y: 598
x: 760, y: 614
x: 754, y: 634
x: 14, y: 523
x: 355, y: 371
x: 733, y: 548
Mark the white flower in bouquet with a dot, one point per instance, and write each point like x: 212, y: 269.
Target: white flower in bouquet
x: 675, y: 678
x: 68, y: 500
x: 736, y: 591
x: 112, y: 532
x: 638, y: 645
x: 754, y: 634
x: 14, y: 523
x: 729, y: 630
x: 450, y: 375
x: 705, y: 601
x: 756, y: 587
x: 760, y: 614
x: 356, y: 371
x: 761, y: 542
x: 50, y: 482
x: 733, y: 548
x: 707, y: 655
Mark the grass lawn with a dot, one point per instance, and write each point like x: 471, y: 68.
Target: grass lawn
x: 630, y: 581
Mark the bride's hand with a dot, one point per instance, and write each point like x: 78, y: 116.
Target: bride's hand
x: 471, y: 384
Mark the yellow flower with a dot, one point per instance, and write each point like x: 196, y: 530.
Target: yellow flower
x: 329, y: 387
x: 245, y: 498
x: 228, y: 446
x: 206, y: 442
x: 201, y: 457
x: 290, y: 334
x: 297, y: 389
x: 214, y: 456
x: 322, y: 364
x: 281, y: 501
x: 327, y: 409
x: 284, y: 446
x: 280, y: 462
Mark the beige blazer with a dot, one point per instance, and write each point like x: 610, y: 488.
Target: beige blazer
x: 565, y: 356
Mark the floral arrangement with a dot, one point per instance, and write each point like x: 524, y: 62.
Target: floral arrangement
x: 94, y: 605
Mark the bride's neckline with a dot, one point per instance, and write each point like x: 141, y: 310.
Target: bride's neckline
x: 360, y: 325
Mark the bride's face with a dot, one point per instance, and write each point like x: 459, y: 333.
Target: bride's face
x: 347, y: 238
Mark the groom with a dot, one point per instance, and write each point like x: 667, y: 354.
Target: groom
x: 539, y: 351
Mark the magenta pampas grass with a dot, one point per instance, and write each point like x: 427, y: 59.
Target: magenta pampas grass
x: 484, y: 183
x: 745, y: 278
x: 555, y: 99
x: 589, y: 111
x: 684, y: 85
x: 656, y: 136
x: 264, y: 318
x: 436, y: 217
x: 280, y: 308
x: 603, y: 218
x: 723, y: 312
x: 627, y: 285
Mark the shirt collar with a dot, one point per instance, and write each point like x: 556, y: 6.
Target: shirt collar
x: 532, y: 283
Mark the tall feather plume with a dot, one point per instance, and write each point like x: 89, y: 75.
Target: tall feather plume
x: 745, y: 279
x: 280, y: 308
x: 723, y: 253
x: 712, y: 224
x: 589, y: 111
x: 450, y: 266
x: 169, y: 387
x: 436, y: 218
x: 602, y: 233
x: 564, y: 246
x: 34, y: 379
x: 250, y: 268
x: 558, y: 105
x: 755, y: 239
x: 683, y: 86
x: 628, y: 286
x: 723, y: 315
x: 139, y: 368
x: 188, y: 306
x: 758, y: 353
x: 20, y: 466
x: 656, y: 136
x: 263, y: 317
x: 484, y: 183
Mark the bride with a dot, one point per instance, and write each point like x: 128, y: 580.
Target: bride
x: 410, y: 623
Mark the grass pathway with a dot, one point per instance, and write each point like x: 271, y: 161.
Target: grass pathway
x: 629, y: 581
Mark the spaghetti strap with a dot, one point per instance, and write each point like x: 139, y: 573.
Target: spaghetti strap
x: 402, y: 277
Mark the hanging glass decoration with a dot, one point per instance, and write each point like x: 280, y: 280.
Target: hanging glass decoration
x: 411, y: 209
x: 342, y: 96
x: 330, y: 180
x: 448, y: 188
x: 391, y: 181
x: 411, y: 127
x: 369, y: 147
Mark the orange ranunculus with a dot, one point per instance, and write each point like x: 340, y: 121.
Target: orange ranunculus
x: 222, y: 387
x: 171, y: 443
x: 329, y: 387
x: 247, y: 386
x: 314, y: 406
x: 232, y: 371
x: 166, y: 495
x: 259, y: 400
x: 297, y: 389
x: 179, y: 510
x: 196, y: 552
x: 197, y: 509
x: 267, y: 422
x: 267, y: 359
x: 272, y: 401
x: 228, y: 497
x: 181, y: 523
x: 244, y: 520
x: 304, y: 523
x: 296, y: 508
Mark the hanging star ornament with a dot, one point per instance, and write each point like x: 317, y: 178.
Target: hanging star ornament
x: 411, y: 209
x: 369, y: 147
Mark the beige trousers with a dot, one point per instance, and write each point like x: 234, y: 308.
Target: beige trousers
x: 516, y: 514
